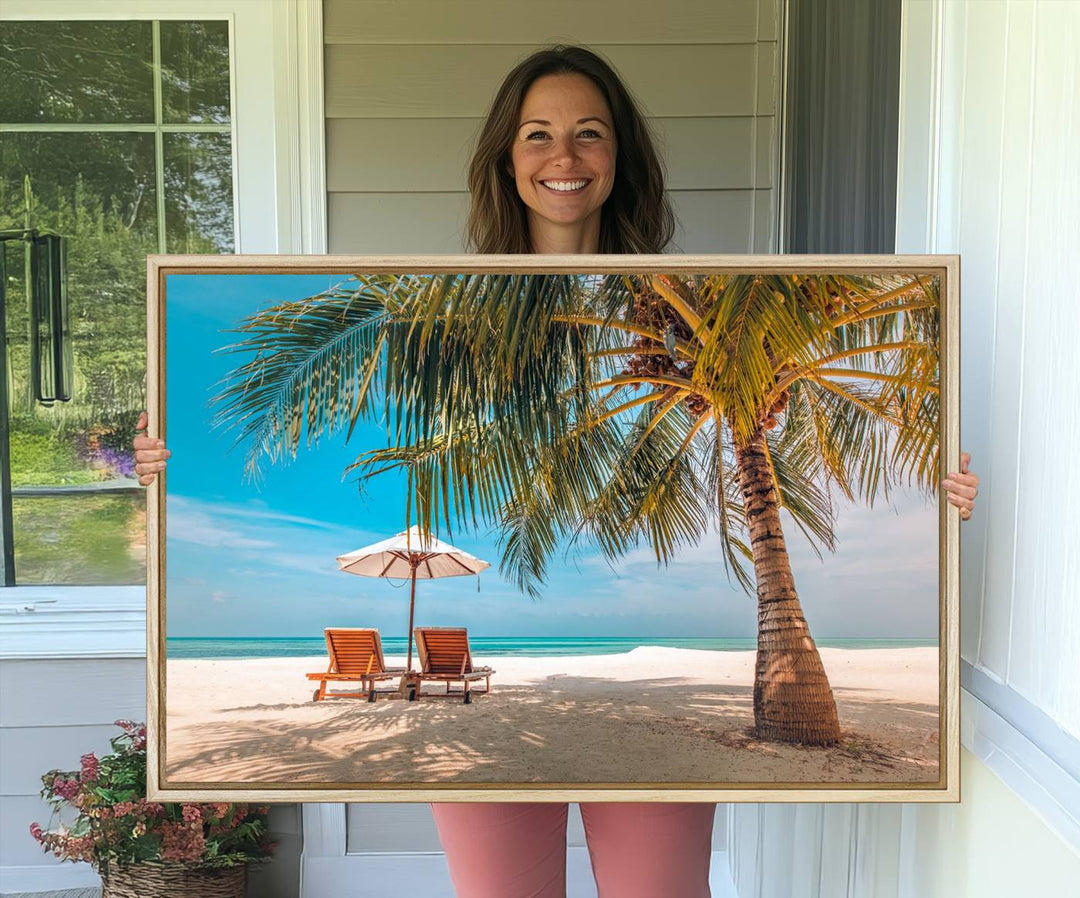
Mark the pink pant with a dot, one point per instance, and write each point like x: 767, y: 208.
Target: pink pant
x: 518, y: 850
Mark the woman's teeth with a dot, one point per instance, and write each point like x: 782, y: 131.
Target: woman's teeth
x: 564, y: 186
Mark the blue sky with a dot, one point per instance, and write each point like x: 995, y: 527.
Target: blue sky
x: 258, y: 560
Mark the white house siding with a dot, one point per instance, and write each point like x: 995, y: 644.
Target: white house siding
x: 407, y: 85
x: 66, y: 674
x: 989, y: 130
x: 54, y: 710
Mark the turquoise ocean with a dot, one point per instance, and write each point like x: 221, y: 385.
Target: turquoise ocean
x: 528, y: 646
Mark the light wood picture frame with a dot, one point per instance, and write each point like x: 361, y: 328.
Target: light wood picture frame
x: 557, y: 418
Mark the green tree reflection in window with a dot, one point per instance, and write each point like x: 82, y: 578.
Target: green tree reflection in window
x: 117, y: 135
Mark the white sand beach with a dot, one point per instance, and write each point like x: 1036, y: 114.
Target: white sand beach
x: 655, y: 715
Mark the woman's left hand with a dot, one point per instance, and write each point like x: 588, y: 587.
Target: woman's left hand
x: 962, y: 488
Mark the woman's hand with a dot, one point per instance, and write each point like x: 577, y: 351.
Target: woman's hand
x: 962, y: 488
x: 150, y: 454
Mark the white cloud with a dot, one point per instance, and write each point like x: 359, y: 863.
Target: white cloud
x: 202, y: 530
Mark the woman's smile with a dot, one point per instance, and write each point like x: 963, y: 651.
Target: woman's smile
x: 562, y: 186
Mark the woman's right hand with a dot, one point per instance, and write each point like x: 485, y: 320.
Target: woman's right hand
x: 150, y: 454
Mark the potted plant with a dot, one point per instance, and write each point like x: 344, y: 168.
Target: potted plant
x: 142, y: 847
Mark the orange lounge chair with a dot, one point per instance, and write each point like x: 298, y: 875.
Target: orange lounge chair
x: 355, y: 654
x: 445, y: 656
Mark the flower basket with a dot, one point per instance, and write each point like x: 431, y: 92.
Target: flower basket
x: 171, y: 880
x: 149, y: 849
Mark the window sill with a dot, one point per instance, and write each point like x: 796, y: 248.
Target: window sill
x: 73, y: 622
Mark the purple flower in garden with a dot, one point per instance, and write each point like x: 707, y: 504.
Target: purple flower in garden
x: 120, y: 462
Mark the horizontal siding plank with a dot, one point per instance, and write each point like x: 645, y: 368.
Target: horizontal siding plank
x: 534, y: 24
x: 713, y: 221
x: 17, y: 846
x: 460, y: 80
x: 397, y: 222
x: 402, y: 826
x: 765, y: 152
x: 709, y: 221
x: 399, y: 154
x: 706, y: 153
x: 768, y: 27
x: 381, y: 155
x: 766, y: 237
x: 94, y: 691
x: 28, y: 752
x: 768, y: 78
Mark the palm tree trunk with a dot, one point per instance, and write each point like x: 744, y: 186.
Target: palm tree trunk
x: 792, y: 698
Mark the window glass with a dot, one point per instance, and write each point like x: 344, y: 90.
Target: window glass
x: 117, y: 186
x: 62, y: 72
x: 195, y: 71
x: 198, y: 193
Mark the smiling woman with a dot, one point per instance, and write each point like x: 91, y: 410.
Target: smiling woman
x: 563, y: 116
x: 565, y: 163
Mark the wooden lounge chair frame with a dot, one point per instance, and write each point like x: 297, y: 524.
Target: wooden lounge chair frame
x: 445, y: 657
x: 355, y: 654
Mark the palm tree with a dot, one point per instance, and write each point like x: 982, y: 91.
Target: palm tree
x: 654, y: 408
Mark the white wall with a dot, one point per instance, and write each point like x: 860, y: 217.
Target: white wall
x: 990, y: 844
x: 989, y: 168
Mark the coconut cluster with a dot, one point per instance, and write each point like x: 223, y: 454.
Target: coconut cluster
x: 652, y: 311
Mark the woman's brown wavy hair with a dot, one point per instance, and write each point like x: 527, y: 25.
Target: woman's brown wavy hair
x: 636, y: 218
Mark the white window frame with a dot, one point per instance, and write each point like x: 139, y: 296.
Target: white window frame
x: 279, y: 201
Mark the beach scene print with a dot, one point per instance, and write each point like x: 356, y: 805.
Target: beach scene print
x: 552, y: 529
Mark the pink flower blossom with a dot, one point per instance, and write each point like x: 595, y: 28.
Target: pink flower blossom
x: 65, y: 788
x: 192, y: 814
x: 181, y: 842
x: 36, y: 831
x: 89, y: 768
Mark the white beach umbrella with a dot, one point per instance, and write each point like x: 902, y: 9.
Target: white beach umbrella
x: 414, y: 556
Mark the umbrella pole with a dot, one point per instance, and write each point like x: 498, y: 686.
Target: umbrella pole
x: 412, y: 606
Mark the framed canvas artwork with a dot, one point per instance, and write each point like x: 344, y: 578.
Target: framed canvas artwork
x: 521, y: 528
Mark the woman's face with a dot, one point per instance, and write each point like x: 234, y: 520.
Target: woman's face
x: 563, y: 155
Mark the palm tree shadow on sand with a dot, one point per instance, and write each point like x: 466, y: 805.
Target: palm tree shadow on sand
x: 573, y: 730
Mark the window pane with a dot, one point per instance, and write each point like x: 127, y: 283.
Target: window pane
x: 76, y: 72
x: 81, y: 540
x: 98, y: 191
x: 198, y: 193
x: 195, y: 71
